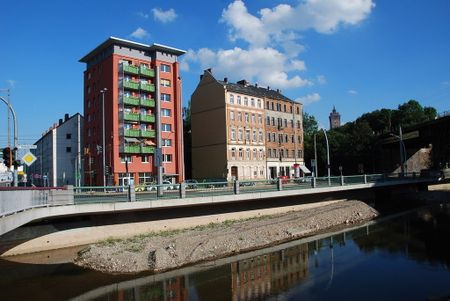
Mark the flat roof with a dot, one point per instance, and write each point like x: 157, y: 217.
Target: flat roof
x: 118, y: 41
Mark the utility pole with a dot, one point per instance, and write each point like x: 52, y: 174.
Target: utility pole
x: 16, y: 138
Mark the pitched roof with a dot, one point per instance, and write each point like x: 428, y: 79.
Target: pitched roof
x: 244, y: 88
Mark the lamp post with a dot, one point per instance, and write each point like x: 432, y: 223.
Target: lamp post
x: 16, y: 137
x: 402, y: 150
x: 328, y: 156
x: 103, y: 91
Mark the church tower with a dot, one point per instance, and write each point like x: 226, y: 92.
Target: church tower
x: 335, y: 119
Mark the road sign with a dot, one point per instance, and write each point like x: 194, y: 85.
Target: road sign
x: 6, y: 177
x: 28, y: 158
x: 27, y: 146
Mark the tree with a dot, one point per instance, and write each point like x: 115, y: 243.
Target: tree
x: 310, y: 127
x: 187, y: 137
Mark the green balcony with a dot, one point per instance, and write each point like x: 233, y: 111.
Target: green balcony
x: 146, y: 72
x: 131, y: 85
x: 145, y: 102
x: 147, y: 149
x: 129, y: 100
x: 130, y: 69
x: 134, y: 149
x: 147, y: 87
x: 147, y: 118
x: 131, y: 133
x: 131, y: 116
x: 148, y: 134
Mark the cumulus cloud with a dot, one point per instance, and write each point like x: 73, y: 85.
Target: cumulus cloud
x: 352, y: 92
x: 164, y: 16
x: 274, y: 41
x: 309, y: 99
x: 267, y: 66
x: 140, y: 33
x: 321, y: 79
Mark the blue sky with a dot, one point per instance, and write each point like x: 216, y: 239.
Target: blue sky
x: 359, y: 55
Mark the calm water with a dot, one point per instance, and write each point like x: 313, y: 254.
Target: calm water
x: 403, y: 258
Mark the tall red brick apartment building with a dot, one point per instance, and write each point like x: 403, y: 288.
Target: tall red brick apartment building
x: 140, y: 85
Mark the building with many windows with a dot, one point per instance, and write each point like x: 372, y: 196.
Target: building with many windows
x: 59, y: 154
x: 137, y: 88
x: 237, y: 132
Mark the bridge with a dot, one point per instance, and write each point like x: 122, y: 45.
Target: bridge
x: 19, y: 207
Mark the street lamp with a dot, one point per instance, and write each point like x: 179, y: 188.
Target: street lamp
x: 402, y: 150
x: 328, y: 156
x: 103, y: 91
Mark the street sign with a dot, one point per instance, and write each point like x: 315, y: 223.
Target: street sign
x: 28, y: 158
x: 6, y: 177
x: 26, y: 146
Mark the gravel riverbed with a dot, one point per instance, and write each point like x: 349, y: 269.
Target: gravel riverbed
x: 173, y: 249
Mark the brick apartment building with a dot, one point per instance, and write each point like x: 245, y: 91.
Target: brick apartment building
x: 141, y: 88
x: 242, y: 131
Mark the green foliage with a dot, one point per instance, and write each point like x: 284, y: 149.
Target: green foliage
x: 353, y: 145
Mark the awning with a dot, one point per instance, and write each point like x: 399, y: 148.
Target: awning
x: 304, y: 169
x: 131, y: 140
x: 148, y: 142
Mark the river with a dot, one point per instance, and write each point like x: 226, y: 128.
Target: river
x: 406, y: 257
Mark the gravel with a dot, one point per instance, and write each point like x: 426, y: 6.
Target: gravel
x: 162, y: 251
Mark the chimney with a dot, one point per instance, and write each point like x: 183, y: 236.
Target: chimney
x: 278, y: 90
x: 256, y: 85
x: 242, y: 82
x: 268, y: 88
x: 201, y: 76
x: 225, y: 79
x: 60, y: 121
x: 66, y: 117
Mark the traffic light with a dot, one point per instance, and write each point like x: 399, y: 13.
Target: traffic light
x: 7, y: 157
x: 15, y: 162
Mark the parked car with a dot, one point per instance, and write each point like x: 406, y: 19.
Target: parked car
x: 191, y: 184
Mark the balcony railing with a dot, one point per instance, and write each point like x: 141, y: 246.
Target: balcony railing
x: 133, y: 148
x: 147, y: 118
x: 147, y: 149
x: 145, y: 102
x: 148, y: 134
x: 129, y: 100
x: 131, y: 116
x: 147, y: 87
x: 130, y: 69
x: 130, y: 85
x: 132, y: 133
x: 147, y: 71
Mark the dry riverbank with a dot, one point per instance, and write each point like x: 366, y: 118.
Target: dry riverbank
x: 172, y: 249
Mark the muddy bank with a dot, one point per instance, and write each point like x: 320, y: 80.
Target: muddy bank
x: 172, y: 249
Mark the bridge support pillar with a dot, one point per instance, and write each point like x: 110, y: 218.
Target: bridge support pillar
x: 131, y: 193
x: 342, y: 180
x: 313, y: 182
x: 236, y: 187
x: 365, y: 179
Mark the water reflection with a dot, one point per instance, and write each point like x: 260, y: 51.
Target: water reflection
x: 402, y: 258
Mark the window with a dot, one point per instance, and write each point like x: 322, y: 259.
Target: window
x: 68, y: 149
x: 254, y: 136
x: 238, y: 100
x: 273, y: 121
x: 285, y: 108
x: 247, y: 119
x: 300, y: 153
x: 247, y: 135
x: 261, y: 154
x: 233, y: 134
x: 274, y: 137
x: 233, y: 153
x: 259, y: 118
x: 165, y: 97
x: 298, y: 124
x: 245, y: 101
x: 268, y: 120
x: 126, y: 158
x: 166, y: 142
x: 239, y: 116
x: 145, y: 177
x: 298, y: 110
x: 255, y: 154
x: 240, y: 135
x: 166, y: 127
x: 231, y: 98
x: 165, y: 112
x: 167, y: 158
x: 241, y: 153
x: 273, y: 106
x: 268, y: 137
x: 145, y: 159
x: 253, y: 118
x: 247, y: 153
x: 292, y: 123
x: 259, y: 103
x: 165, y: 68
x: 252, y: 102
x: 232, y: 115
x: 260, y: 136
x: 267, y: 105
x: 285, y: 123
x: 68, y: 136
x: 165, y: 83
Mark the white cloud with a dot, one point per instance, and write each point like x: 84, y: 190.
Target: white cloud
x: 352, y: 92
x: 445, y: 83
x: 140, y: 33
x: 11, y: 82
x: 321, y: 79
x: 164, y: 16
x: 266, y: 66
x: 309, y: 99
x: 143, y: 15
